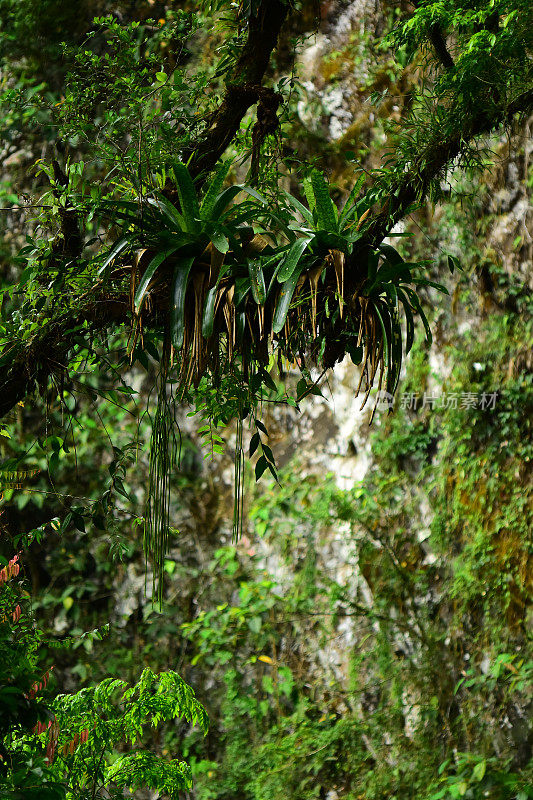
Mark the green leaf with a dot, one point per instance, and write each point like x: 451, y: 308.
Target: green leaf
x: 258, y: 280
x: 284, y: 301
x: 213, y: 192
x: 260, y: 467
x: 415, y: 302
x: 391, y: 254
x: 409, y: 320
x: 291, y: 259
x: 118, y: 247
x: 187, y: 195
x: 220, y: 241
x: 269, y: 455
x: 255, y: 441
x: 306, y: 214
x: 169, y: 211
x: 151, y: 269
x: 256, y: 195
x: 177, y: 308
x: 479, y: 770
x: 351, y: 205
x: 208, y: 319
x: 223, y: 201
x: 325, y: 208
x: 310, y: 197
x: 386, y: 344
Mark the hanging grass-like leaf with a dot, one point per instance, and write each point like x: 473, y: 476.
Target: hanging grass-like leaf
x: 177, y: 307
x: 151, y: 269
x: 284, y: 301
x: 117, y: 248
x: 258, y: 280
x: 292, y: 258
x: 187, y: 195
x: 409, y: 320
x: 415, y: 302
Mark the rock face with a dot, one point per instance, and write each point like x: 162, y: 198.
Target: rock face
x: 401, y: 529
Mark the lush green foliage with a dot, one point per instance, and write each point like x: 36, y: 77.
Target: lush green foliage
x: 70, y: 748
x: 370, y: 641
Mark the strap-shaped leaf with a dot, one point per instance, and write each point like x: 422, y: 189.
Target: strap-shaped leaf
x: 187, y: 195
x: 427, y: 282
x: 223, y: 200
x: 177, y: 306
x: 240, y: 324
x: 415, y: 302
x: 309, y: 196
x: 208, y: 319
x: 291, y: 259
x: 391, y: 254
x: 258, y: 280
x: 255, y: 194
x: 151, y: 269
x: 215, y: 187
x: 306, y: 214
x: 325, y: 208
x: 386, y: 342
x: 169, y: 211
x: 409, y: 320
x: 118, y: 247
x: 220, y: 241
x: 350, y: 207
x: 396, y: 336
x: 284, y: 300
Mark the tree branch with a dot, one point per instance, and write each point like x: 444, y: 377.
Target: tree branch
x: 414, y: 185
x: 46, y: 354
x: 439, y: 44
x: 244, y: 86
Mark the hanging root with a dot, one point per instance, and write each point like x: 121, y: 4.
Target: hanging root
x: 164, y: 455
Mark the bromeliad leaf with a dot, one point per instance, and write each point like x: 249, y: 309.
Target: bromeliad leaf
x: 284, y: 301
x: 292, y: 258
x: 151, y: 269
x: 117, y: 248
x: 177, y: 308
x: 187, y: 195
x: 258, y: 280
x: 223, y: 200
x: 220, y: 241
x: 215, y: 187
x: 208, y: 319
x: 351, y: 205
x: 325, y: 209
x: 306, y: 214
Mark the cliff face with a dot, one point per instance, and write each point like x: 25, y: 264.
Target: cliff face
x: 384, y: 651
x: 368, y: 636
